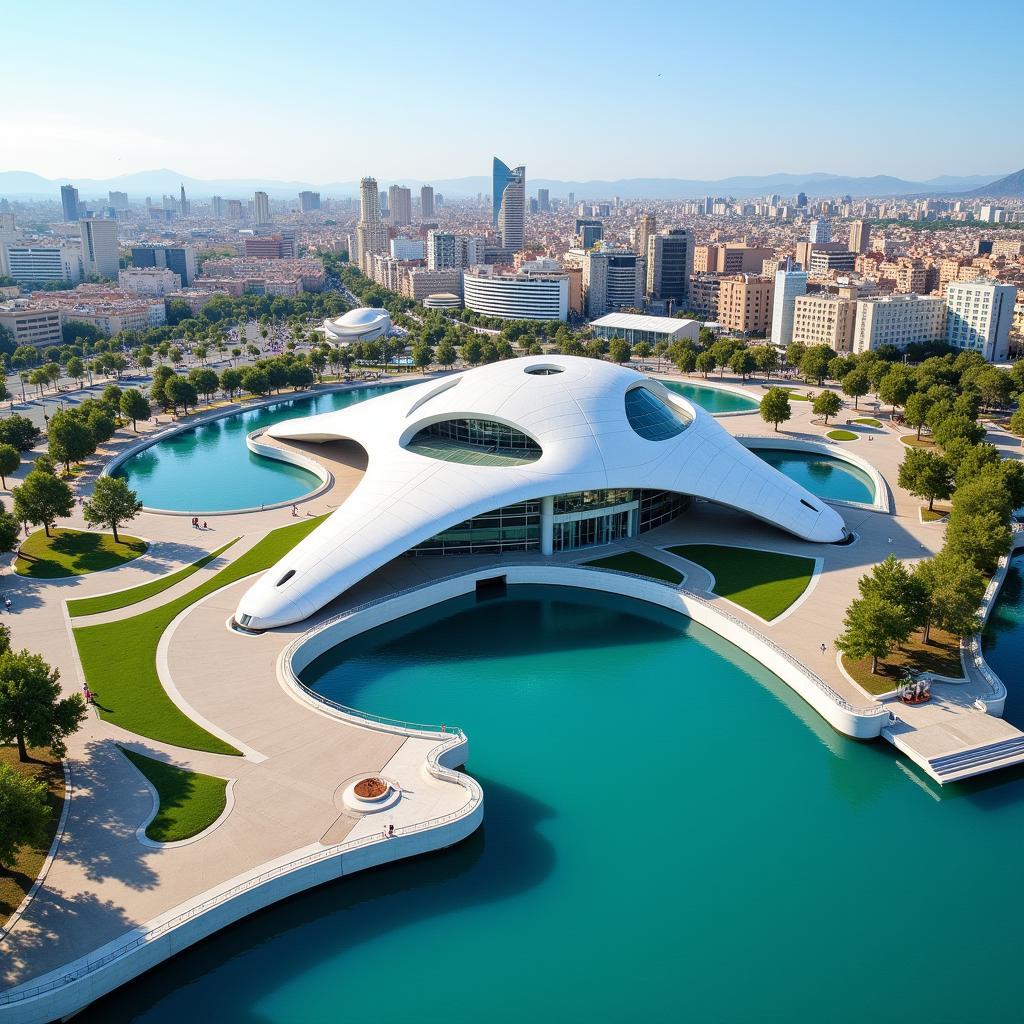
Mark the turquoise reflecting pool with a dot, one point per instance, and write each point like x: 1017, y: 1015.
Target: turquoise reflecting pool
x: 711, y: 399
x: 824, y: 475
x: 1003, y: 640
x: 670, y: 836
x: 210, y: 469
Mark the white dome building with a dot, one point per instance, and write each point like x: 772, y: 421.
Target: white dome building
x: 363, y: 324
x: 540, y: 453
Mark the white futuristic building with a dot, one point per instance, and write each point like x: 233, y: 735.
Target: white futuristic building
x: 363, y: 324
x: 543, y: 453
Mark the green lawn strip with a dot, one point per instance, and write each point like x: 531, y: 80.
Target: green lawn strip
x: 933, y: 515
x: 842, y: 435
x: 189, y: 801
x: 124, y: 598
x: 764, y: 582
x: 869, y: 421
x: 941, y: 656
x: 119, y: 658
x: 641, y: 565
x: 73, y: 553
x: 796, y: 396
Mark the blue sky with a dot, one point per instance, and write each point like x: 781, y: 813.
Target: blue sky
x: 322, y: 91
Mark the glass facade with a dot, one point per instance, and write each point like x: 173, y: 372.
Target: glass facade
x: 483, y: 442
x: 651, y: 418
x: 579, y: 522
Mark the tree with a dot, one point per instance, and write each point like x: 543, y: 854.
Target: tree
x: 300, y: 375
x: 422, y: 356
x: 873, y: 627
x: 897, y: 385
x: 204, y: 380
x: 957, y: 426
x: 10, y: 532
x: 775, y: 407
x: 112, y: 504
x: 446, y: 354
x: 619, y: 351
x: 10, y: 460
x: 23, y: 813
x: 855, y: 385
x: 705, y: 363
x: 32, y: 711
x: 925, y: 474
x: 766, y: 358
x: 1017, y: 419
x: 19, y: 431
x: 230, y: 381
x: 742, y: 362
x: 76, y: 369
x: 827, y: 404
x: 70, y: 439
x: 979, y: 539
x: 915, y: 412
x: 41, y: 499
x: 954, y: 590
x: 135, y: 406
x: 976, y: 460
x: 255, y: 381
x: 795, y: 352
x: 180, y: 391
x: 472, y: 351
x: 814, y: 363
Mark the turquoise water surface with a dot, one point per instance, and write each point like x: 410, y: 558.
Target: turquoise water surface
x: 712, y: 399
x: 210, y: 469
x: 670, y: 836
x: 1003, y: 640
x: 824, y: 475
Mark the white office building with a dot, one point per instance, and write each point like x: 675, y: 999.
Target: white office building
x: 38, y: 264
x: 978, y: 317
x: 820, y: 232
x: 407, y: 248
x: 99, y: 247
x: 261, y: 208
x: 613, y: 279
x: 443, y: 250
x: 528, y: 295
x: 156, y: 281
x: 898, y: 320
x: 788, y: 285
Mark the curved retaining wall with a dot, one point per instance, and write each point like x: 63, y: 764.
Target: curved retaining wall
x: 732, y: 389
x: 883, y: 496
x: 859, y: 722
x: 180, y: 428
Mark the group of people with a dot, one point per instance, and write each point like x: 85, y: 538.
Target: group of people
x: 195, y: 523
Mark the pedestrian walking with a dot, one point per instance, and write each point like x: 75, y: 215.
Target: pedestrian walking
x: 7, y: 604
x: 823, y: 648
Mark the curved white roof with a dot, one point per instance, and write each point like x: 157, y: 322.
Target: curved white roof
x: 361, y: 317
x: 577, y: 415
x: 363, y: 324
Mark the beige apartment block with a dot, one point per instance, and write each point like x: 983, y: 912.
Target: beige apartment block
x: 745, y: 303
x: 820, y: 319
x: 898, y: 320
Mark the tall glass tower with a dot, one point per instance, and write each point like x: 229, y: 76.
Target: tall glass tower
x: 509, y: 199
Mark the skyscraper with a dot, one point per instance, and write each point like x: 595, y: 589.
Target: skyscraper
x: 613, y: 279
x: 371, y: 235
x: 99, y: 247
x: 261, y: 207
x: 69, y: 201
x: 788, y: 285
x: 820, y: 232
x: 309, y: 201
x: 509, y: 209
x: 400, y: 204
x: 544, y: 199
x: 860, y: 236
x: 642, y: 235
x: 184, y: 208
x: 588, y: 232
x: 669, y: 266
x: 426, y: 202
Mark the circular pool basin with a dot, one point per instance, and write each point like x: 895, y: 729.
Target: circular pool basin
x: 712, y: 400
x: 827, y: 476
x: 210, y: 469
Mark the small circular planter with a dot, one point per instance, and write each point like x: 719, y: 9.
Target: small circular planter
x: 370, y: 794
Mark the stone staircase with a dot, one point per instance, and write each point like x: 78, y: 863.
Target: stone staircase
x: 964, y: 763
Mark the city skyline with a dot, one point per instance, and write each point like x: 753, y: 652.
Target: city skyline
x: 419, y: 120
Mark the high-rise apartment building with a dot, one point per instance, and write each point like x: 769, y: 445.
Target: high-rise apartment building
x: 745, y: 304
x: 403, y: 248
x: 426, y: 202
x: 309, y: 201
x: 819, y: 231
x: 261, y: 208
x: 117, y: 200
x: 642, y: 234
x: 613, y: 279
x: 669, y: 266
x: 978, y: 318
x: 860, y: 236
x: 823, y: 319
x: 544, y: 200
x: 217, y: 207
x: 509, y: 205
x: 443, y: 250
x: 179, y: 259
x: 789, y: 284
x: 898, y: 320
x: 371, y: 234
x: 588, y: 232
x: 99, y: 247
x: 234, y: 209
x: 69, y: 202
x: 400, y: 204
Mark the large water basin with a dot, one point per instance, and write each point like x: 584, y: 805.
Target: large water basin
x: 827, y: 476
x: 713, y: 400
x: 210, y: 469
x: 670, y: 835
x: 1003, y: 640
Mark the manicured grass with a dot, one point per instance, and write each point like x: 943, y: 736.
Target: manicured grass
x: 127, y: 687
x: 133, y: 595
x: 941, y: 656
x: 73, y: 553
x: 16, y: 879
x: 796, y: 396
x: 764, y: 582
x: 933, y: 515
x: 841, y: 435
x: 912, y: 441
x: 869, y: 421
x: 642, y: 565
x: 189, y: 801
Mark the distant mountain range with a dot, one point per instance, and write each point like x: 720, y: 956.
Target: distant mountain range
x: 26, y: 185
